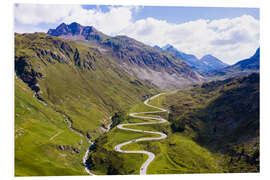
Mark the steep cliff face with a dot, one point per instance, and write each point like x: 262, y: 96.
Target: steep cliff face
x: 136, y: 58
x: 25, y: 72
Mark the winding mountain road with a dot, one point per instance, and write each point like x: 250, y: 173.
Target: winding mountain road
x: 151, y: 156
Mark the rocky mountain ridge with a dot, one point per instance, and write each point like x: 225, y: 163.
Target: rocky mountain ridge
x: 241, y: 68
x: 205, y: 64
x: 142, y: 61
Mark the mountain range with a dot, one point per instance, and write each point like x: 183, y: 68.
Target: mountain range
x: 241, y: 68
x: 73, y: 82
x: 76, y: 81
x: 61, y: 84
x: 206, y: 63
x: 140, y: 60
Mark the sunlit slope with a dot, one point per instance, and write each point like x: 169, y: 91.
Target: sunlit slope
x: 175, y: 154
x: 39, y: 132
x: 138, y: 59
x: 213, y: 127
x: 76, y: 79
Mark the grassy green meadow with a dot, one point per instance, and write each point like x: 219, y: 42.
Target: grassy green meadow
x: 37, y: 150
x: 175, y: 154
x: 77, y: 80
x: 212, y: 127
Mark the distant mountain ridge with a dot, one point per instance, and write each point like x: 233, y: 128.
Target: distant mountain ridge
x: 213, y: 62
x: 140, y: 60
x: 252, y: 63
x: 75, y: 83
x: 181, y: 55
x: 240, y: 68
x: 206, y: 63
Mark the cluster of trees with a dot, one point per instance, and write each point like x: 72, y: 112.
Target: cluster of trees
x: 178, y: 125
x: 117, y: 118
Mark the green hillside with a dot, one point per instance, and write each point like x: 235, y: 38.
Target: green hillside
x: 175, y: 154
x: 75, y: 80
x: 39, y: 133
x: 222, y: 116
x: 213, y: 128
x: 142, y: 61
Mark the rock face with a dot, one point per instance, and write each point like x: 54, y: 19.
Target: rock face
x: 62, y: 72
x: 25, y: 71
x: 69, y: 148
x: 206, y: 63
x: 58, y: 52
x: 142, y: 61
x: 76, y: 31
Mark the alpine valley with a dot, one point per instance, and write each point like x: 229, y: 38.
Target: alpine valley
x: 75, y: 87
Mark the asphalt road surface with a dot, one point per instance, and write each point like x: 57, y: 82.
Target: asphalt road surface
x: 158, y: 120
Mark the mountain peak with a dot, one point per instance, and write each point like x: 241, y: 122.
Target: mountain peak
x: 74, y: 24
x: 75, y: 31
x: 168, y: 46
x: 208, y: 56
x: 64, y: 29
x: 62, y: 25
x: 157, y: 47
x: 206, y: 63
x: 76, y: 28
x: 240, y: 68
x: 257, y: 53
x: 213, y: 62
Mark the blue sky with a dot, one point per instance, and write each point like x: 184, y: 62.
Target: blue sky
x: 230, y: 34
x: 185, y: 14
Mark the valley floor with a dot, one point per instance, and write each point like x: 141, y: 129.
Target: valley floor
x: 172, y: 155
x: 176, y: 148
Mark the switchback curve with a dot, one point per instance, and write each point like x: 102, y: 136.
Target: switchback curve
x: 151, y: 156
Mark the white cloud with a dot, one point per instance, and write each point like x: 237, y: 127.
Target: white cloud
x: 228, y: 39
x: 110, y: 22
x: 37, y: 13
x: 28, y: 29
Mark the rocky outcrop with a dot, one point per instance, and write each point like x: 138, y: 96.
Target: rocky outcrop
x: 76, y: 31
x: 82, y: 63
x: 25, y: 72
x: 142, y: 61
x: 70, y: 149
